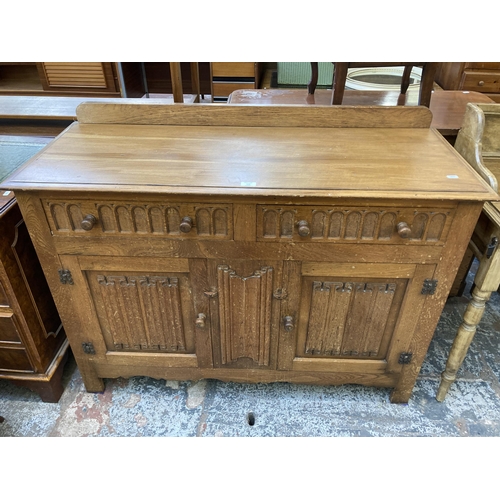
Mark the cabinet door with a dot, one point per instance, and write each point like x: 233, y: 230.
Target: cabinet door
x: 350, y: 318
x: 134, y: 309
x: 238, y: 299
x: 81, y: 76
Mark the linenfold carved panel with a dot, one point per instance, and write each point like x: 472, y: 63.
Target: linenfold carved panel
x: 347, y: 318
x: 209, y: 221
x: 141, y: 312
x: 350, y: 224
x: 245, y: 315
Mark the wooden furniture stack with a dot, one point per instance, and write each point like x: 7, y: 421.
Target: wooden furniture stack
x: 33, y: 345
x: 229, y: 76
x: 481, y: 77
x: 253, y: 244
x: 479, y: 143
x: 447, y: 106
x: 97, y: 79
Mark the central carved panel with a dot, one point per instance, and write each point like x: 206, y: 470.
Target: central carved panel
x: 245, y: 314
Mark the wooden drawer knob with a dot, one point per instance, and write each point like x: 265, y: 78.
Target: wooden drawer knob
x: 200, y: 320
x: 88, y: 222
x: 303, y: 228
x: 186, y: 224
x: 481, y: 83
x: 404, y: 230
x: 288, y: 323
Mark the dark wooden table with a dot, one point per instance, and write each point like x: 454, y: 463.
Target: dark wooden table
x: 447, y: 106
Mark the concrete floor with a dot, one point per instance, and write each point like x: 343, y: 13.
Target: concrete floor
x: 142, y: 406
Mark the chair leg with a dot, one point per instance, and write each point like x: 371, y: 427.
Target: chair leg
x: 405, y: 80
x: 339, y: 78
x: 195, y: 80
x: 427, y: 83
x: 176, y: 76
x: 311, y: 86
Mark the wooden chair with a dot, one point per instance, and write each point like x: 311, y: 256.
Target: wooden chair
x: 176, y: 78
x: 175, y: 73
x: 478, y: 141
x: 340, y: 75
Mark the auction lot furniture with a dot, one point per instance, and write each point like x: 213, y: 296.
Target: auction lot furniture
x: 250, y: 243
x: 32, y: 340
x: 481, y: 77
x: 98, y: 79
x: 229, y: 76
x: 340, y: 76
x: 479, y: 143
x: 447, y: 106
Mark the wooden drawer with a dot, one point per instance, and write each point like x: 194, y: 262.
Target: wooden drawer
x: 225, y: 89
x: 481, y: 81
x: 153, y: 219
x: 352, y: 224
x: 4, y: 301
x: 233, y: 69
x: 14, y: 359
x: 8, y: 327
x: 482, y: 65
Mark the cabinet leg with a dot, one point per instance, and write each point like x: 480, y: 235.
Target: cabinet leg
x: 400, y: 397
x: 465, y: 334
x: 92, y: 382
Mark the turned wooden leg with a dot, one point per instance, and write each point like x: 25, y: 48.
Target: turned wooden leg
x: 465, y: 334
x: 486, y: 281
x: 311, y: 86
x: 405, y: 79
x: 339, y: 78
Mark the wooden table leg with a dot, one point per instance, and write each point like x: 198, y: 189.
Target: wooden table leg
x: 486, y: 281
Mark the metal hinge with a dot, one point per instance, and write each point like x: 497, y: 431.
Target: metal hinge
x: 88, y: 348
x: 65, y: 277
x: 491, y: 247
x: 405, y: 358
x: 429, y: 287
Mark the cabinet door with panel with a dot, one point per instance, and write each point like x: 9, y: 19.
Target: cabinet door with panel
x: 238, y: 300
x: 350, y: 318
x: 132, y: 310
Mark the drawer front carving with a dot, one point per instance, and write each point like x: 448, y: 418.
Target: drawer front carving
x: 165, y: 220
x: 140, y: 312
x: 336, y: 224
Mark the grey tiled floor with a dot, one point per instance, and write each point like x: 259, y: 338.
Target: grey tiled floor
x: 142, y: 406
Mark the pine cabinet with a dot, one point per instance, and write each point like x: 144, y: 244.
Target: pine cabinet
x: 283, y: 244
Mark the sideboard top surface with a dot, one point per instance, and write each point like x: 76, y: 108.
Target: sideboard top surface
x: 239, y: 160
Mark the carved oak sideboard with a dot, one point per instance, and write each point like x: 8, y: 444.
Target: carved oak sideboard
x: 252, y: 244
